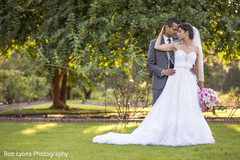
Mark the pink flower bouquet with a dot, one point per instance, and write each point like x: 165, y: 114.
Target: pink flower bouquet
x: 207, y: 98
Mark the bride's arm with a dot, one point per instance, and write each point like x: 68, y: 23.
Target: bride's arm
x: 198, y: 65
x: 164, y: 47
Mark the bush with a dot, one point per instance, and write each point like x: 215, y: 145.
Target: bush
x: 15, y: 87
x: 232, y: 79
x: 76, y: 93
x: 229, y: 98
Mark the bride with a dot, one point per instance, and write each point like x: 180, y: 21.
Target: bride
x: 176, y: 118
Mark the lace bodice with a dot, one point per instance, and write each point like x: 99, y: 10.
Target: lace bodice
x: 186, y: 60
x: 182, y: 59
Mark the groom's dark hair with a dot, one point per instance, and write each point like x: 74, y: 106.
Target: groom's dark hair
x: 170, y: 21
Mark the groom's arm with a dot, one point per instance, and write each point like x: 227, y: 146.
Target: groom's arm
x: 151, y: 61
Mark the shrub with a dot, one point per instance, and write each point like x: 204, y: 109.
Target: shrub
x: 76, y: 93
x: 15, y: 87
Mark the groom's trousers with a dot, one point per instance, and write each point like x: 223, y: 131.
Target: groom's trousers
x: 156, y: 93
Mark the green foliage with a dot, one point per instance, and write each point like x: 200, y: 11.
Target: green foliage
x: 229, y: 98
x: 25, y: 64
x: 18, y: 19
x: 25, y: 80
x: 214, y: 71
x: 143, y: 20
x: 113, y: 23
x: 128, y: 80
x: 15, y: 87
x: 232, y: 79
x: 76, y: 93
x: 96, y: 37
x: 224, y: 19
x: 62, y: 28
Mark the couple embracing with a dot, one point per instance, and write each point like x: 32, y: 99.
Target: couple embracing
x: 176, y: 118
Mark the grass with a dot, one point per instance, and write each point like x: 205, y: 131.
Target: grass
x: 75, y: 139
x: 97, y: 95
x: 44, y: 109
x: 74, y: 108
x: 82, y: 108
x: 220, y: 113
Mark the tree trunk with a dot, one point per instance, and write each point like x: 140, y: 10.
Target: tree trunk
x: 69, y: 88
x: 64, y: 88
x: 9, y: 99
x: 87, y: 93
x: 57, y: 103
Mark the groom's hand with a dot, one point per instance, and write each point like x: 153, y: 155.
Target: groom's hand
x: 194, y: 69
x: 168, y: 72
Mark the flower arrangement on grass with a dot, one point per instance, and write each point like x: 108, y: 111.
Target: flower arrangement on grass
x: 207, y: 98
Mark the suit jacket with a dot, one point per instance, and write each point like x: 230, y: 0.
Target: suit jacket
x: 157, y: 61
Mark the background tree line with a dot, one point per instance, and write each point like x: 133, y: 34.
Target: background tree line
x: 98, y: 40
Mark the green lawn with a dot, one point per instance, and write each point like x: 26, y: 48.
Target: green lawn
x: 76, y: 107
x: 75, y: 140
x: 44, y: 109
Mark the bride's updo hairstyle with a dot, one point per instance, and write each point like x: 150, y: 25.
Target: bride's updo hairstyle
x: 187, y: 27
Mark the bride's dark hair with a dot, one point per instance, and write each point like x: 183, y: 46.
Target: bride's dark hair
x: 187, y: 27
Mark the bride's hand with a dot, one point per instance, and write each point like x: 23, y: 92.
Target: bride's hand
x: 201, y: 86
x: 162, y: 31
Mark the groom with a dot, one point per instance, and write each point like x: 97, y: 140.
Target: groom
x: 159, y: 62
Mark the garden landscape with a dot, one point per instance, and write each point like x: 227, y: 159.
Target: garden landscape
x: 72, y: 70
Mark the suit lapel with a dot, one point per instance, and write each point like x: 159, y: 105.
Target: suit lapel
x: 163, y: 42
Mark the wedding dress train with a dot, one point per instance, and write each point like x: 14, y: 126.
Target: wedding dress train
x: 176, y: 118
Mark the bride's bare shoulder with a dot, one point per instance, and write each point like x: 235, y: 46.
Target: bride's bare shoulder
x: 196, y: 50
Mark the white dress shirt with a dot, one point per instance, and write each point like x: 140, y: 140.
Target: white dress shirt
x: 167, y: 42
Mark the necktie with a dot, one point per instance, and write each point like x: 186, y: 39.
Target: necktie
x: 169, y: 40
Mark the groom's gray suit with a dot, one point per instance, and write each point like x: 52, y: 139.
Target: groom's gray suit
x: 157, y: 61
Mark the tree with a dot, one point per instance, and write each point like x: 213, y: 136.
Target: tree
x: 223, y: 27
x: 85, y: 82
x: 112, y: 23
x: 50, y: 26
x: 217, y: 22
x: 93, y: 33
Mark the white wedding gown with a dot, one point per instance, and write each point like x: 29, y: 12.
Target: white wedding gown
x: 176, y: 118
